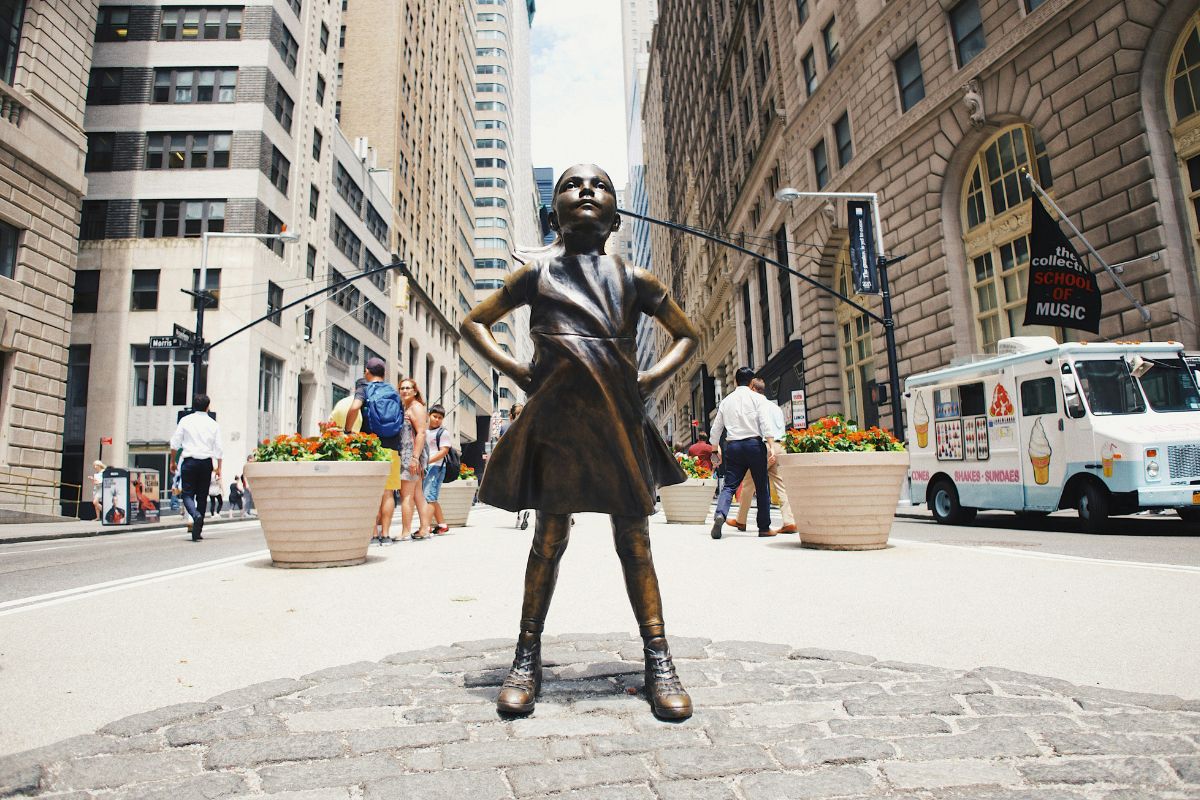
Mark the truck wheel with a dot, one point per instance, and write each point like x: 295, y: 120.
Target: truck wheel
x: 1093, y: 507
x: 943, y: 502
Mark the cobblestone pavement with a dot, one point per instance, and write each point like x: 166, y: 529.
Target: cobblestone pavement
x: 771, y: 721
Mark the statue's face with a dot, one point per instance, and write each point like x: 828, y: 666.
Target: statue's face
x: 584, y: 199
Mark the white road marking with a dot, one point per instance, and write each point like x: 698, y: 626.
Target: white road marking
x: 66, y: 595
x: 1021, y: 553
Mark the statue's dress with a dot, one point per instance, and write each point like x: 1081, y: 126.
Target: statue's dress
x: 583, y: 441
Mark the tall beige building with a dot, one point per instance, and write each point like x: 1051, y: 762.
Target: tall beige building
x: 45, y: 54
x: 406, y: 84
x: 938, y: 107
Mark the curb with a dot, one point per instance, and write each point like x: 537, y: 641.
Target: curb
x: 114, y: 531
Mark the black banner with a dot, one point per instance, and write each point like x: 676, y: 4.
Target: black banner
x: 862, y: 248
x: 1062, y: 291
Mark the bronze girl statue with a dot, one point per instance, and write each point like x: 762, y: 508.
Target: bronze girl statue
x: 585, y: 397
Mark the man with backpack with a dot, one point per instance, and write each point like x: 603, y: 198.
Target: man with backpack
x: 442, y: 459
x: 382, y: 413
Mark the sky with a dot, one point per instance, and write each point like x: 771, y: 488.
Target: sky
x: 578, y: 110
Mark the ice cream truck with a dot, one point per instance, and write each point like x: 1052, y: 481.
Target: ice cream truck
x: 1102, y: 428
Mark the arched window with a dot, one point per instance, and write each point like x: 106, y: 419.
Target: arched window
x: 1183, y: 104
x: 855, y: 349
x: 995, y: 217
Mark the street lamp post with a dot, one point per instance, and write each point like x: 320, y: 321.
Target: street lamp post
x: 198, y: 346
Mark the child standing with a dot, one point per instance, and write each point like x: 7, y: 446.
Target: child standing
x: 585, y: 395
x: 437, y: 446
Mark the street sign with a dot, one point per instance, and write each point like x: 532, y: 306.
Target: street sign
x: 105, y: 440
x: 183, y: 333
x: 164, y: 342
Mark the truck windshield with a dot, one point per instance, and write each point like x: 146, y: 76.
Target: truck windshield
x: 1109, y: 387
x: 1169, y: 386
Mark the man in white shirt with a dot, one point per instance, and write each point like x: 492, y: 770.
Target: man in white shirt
x: 775, y: 449
x: 743, y: 416
x: 200, y: 439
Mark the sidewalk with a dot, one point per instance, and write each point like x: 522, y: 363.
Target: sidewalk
x: 11, y: 533
x: 237, y: 679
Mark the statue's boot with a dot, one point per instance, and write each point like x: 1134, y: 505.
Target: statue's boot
x: 667, y: 696
x: 520, y: 689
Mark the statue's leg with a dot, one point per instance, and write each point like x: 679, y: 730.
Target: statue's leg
x: 667, y: 696
x: 520, y: 689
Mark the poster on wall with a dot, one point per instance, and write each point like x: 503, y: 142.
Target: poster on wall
x: 114, y: 497
x: 799, y: 409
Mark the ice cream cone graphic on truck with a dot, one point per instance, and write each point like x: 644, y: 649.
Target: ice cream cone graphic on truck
x: 1107, y: 459
x: 922, y: 423
x: 1039, y: 454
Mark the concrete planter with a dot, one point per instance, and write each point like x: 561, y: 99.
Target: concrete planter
x: 844, y: 501
x: 455, y: 499
x: 688, y: 502
x: 317, y: 513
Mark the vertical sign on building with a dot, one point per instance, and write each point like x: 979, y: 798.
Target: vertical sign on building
x: 862, y: 248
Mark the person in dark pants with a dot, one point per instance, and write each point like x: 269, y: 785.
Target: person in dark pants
x: 200, y: 439
x: 745, y: 421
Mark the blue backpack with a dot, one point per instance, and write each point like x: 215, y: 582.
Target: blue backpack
x: 384, y: 411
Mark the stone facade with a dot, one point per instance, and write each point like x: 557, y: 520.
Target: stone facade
x: 42, y: 146
x: 1086, y: 81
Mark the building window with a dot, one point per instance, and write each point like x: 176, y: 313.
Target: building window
x: 377, y: 226
x: 909, y: 78
x: 1183, y: 111
x: 374, y: 319
x: 318, y: 141
x: 345, y: 240
x: 274, y: 227
x: 188, y: 23
x: 320, y: 90
x: 785, y: 284
x: 348, y: 189
x: 764, y: 302
x: 93, y: 220
x: 104, y: 85
x: 112, y: 24
x: 100, y: 152
x: 11, y: 14
x: 143, y: 294
x: 187, y: 150
x: 494, y: 35
x: 161, y: 377
x: 491, y: 105
x: 491, y: 222
x: 270, y: 385
x: 995, y: 214
x: 212, y: 288
x: 87, y: 291
x: 309, y: 319
x: 490, y: 69
x: 343, y: 346
x: 274, y: 303
x: 967, y: 27
x: 280, y: 170
x: 841, y: 135
x: 809, y: 62
x: 284, y: 105
x: 498, y: 144
x: 747, y: 324
x: 310, y: 269
x: 167, y: 218
x: 491, y: 202
x: 288, y: 48
x: 296, y: 7
x: 802, y: 11
x: 342, y: 36
x: 182, y: 86
x: 325, y: 37
x: 491, y: 88
x: 10, y: 238
x: 820, y: 164
x: 491, y: 263
x: 491, y: 163
x: 314, y: 200
x: 829, y: 35
x: 855, y: 349
x: 491, y: 183
x: 1032, y: 5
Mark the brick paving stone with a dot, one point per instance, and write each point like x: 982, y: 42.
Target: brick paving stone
x: 249, y: 752
x: 837, y: 750
x: 566, y: 748
x: 992, y: 704
x: 343, y: 793
x: 589, y: 725
x: 1140, y: 722
x: 835, y: 691
x: 428, y: 759
x: 1040, y: 724
x: 782, y: 714
x: 724, y: 734
x: 342, y: 719
x: 694, y: 790
x: 1138, y: 771
x: 19, y: 779
x: 567, y: 776
x: 502, y: 753
x: 707, y: 762
x: 906, y: 705
x: 951, y: 772
x: 483, y: 646
x: 859, y: 675
x: 749, y: 651
x: 819, y: 654
x: 334, y: 687
x: 448, y: 785
x: 828, y: 782
x: 886, y: 727
x: 340, y: 672
x: 995, y: 793
x: 1187, y: 768
x: 108, y: 772
x: 645, y: 742
x: 208, y: 786
x: 332, y: 772
x: 603, y: 669
x: 221, y: 728
x: 942, y: 686
x: 153, y: 720
x: 431, y: 655
x: 258, y: 692
x: 1090, y: 744
x: 410, y: 736
x: 977, y: 744
x: 635, y: 791
x: 735, y: 694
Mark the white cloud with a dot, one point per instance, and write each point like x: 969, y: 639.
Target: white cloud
x: 577, y: 86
